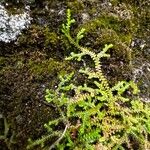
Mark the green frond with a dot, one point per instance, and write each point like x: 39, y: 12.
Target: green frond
x: 80, y: 97
x: 77, y: 57
x: 90, y: 137
x: 80, y: 35
x: 66, y: 27
x: 134, y: 87
x: 121, y: 87
x: 41, y: 141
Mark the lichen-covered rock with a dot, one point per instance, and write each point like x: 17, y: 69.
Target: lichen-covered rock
x: 12, y: 25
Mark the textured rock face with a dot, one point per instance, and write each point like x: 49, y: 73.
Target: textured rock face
x: 30, y: 61
x: 12, y: 25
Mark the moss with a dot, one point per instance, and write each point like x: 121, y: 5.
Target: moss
x: 114, y: 2
x: 75, y: 5
x: 50, y: 37
x: 33, y: 36
x: 49, y: 66
x: 126, y: 38
x: 3, y: 61
x: 92, y: 25
x: 111, y: 27
x: 23, y: 81
x: 107, y: 21
x: 14, y: 7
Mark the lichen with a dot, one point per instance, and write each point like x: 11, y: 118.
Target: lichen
x: 12, y: 25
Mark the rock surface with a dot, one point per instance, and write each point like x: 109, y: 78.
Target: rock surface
x: 32, y: 53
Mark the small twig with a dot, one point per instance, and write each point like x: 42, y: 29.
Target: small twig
x: 55, y: 143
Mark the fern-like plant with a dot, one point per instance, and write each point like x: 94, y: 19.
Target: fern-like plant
x: 95, y: 115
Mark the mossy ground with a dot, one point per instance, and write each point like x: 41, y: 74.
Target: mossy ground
x: 34, y: 62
